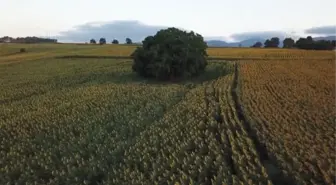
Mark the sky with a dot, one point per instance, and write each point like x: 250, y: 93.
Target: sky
x: 214, y: 19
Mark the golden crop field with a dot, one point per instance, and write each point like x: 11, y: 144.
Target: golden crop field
x: 9, y: 52
x: 292, y: 107
x: 258, y: 116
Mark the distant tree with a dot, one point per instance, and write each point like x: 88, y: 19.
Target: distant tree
x: 257, y: 45
x: 267, y: 43
x: 305, y: 43
x: 288, y: 43
x: 128, y: 41
x: 102, y: 41
x: 322, y: 45
x: 333, y: 43
x: 115, y: 41
x: 273, y: 43
x: 309, y: 44
x: 27, y: 40
x: 92, y: 41
x: 310, y: 39
x: 301, y: 43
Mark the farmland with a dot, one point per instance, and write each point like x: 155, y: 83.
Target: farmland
x: 256, y: 116
x: 294, y: 102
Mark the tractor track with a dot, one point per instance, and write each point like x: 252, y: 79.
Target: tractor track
x: 272, y: 169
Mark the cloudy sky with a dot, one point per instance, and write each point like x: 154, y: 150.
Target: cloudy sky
x: 81, y: 20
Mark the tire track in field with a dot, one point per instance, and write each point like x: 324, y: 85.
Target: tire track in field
x: 272, y: 169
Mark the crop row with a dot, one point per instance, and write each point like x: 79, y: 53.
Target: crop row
x: 76, y: 133
x: 94, y: 128
x: 74, y: 130
x: 291, y: 105
x: 195, y: 143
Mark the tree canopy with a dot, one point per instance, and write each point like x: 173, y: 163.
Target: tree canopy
x: 102, y: 41
x: 92, y: 41
x: 27, y: 40
x: 169, y: 54
x: 333, y: 43
x: 115, y: 41
x: 257, y: 45
x: 288, y: 43
x: 309, y: 44
x: 273, y: 43
x: 128, y: 41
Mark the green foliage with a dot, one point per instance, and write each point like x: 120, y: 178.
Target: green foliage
x: 128, y: 41
x: 27, y: 40
x: 309, y: 44
x: 115, y: 41
x: 257, y: 45
x: 267, y: 43
x: 310, y: 39
x: 273, y: 43
x: 92, y: 41
x: 170, y: 54
x: 102, y: 41
x: 288, y: 43
x: 333, y: 43
x: 323, y: 45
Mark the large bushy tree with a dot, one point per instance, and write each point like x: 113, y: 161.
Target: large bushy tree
x: 169, y: 54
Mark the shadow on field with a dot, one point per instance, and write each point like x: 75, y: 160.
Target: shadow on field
x: 211, y: 73
x: 129, y: 57
x: 77, y: 75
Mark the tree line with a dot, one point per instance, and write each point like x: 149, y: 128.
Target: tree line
x: 302, y: 43
x: 27, y: 40
x: 114, y: 41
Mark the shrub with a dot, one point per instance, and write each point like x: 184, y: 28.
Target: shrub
x: 22, y: 50
x: 170, y: 54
